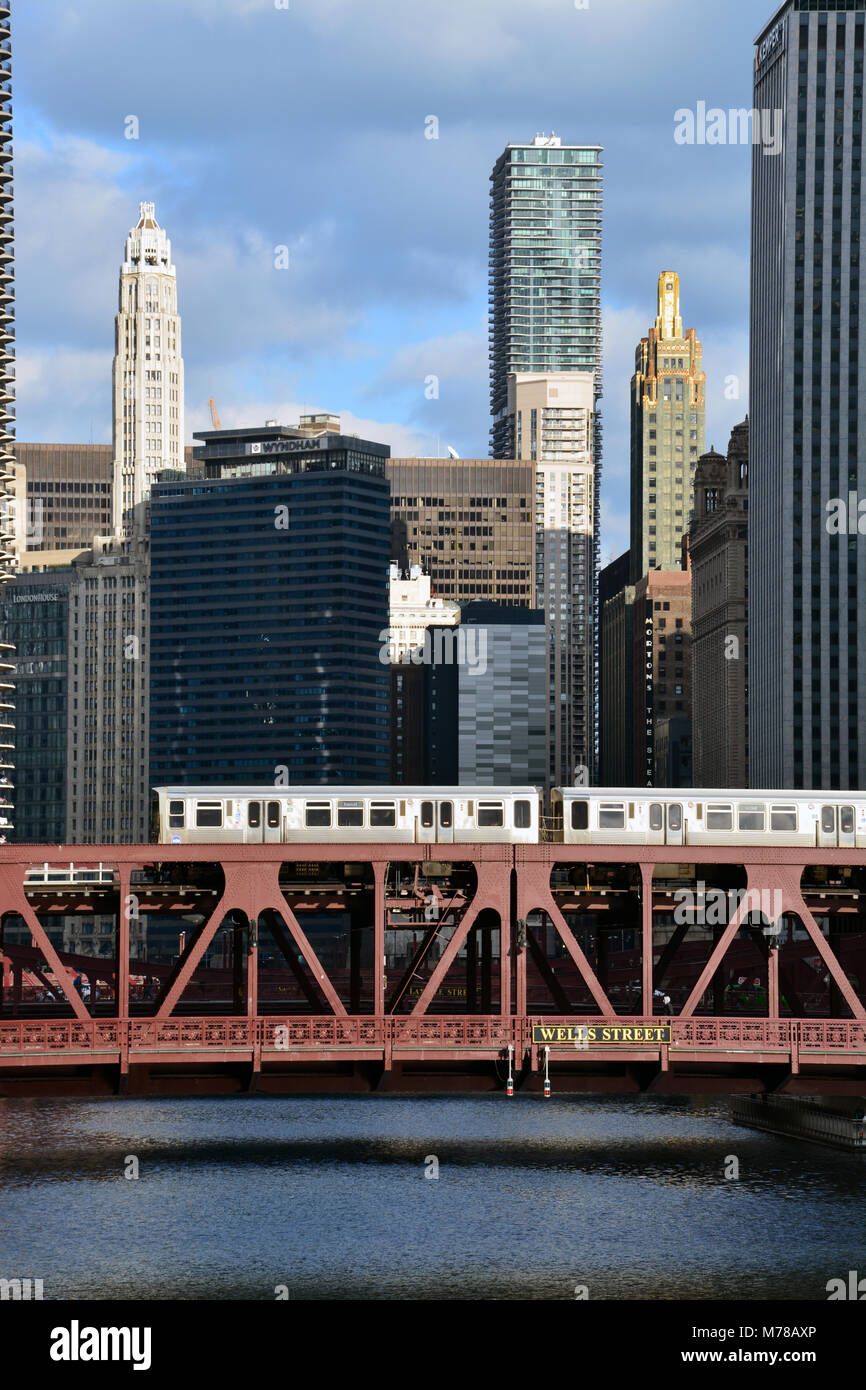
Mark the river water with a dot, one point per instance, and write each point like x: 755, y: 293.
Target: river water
x: 327, y: 1198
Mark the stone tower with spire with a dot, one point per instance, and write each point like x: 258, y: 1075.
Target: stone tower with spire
x: 147, y: 373
x: 668, y: 429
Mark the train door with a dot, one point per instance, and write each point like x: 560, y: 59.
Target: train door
x: 846, y: 825
x: 425, y: 823
x: 827, y: 826
x: 446, y: 822
x: 254, y: 822
x: 675, y: 823
x: 273, y: 827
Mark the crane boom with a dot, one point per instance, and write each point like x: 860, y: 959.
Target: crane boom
x: 213, y: 414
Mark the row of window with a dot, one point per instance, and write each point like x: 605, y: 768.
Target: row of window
x: 783, y: 819
x: 490, y: 814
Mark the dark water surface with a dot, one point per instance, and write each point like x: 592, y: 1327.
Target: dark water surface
x: 328, y: 1197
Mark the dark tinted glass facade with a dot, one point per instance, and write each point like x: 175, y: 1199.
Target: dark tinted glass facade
x: 269, y: 591
x: 34, y: 612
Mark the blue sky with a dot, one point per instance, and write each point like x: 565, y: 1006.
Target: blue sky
x: 304, y: 126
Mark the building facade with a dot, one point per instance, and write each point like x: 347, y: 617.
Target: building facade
x: 554, y: 427
x: 68, y: 495
x: 107, y: 789
x: 545, y: 269
x: 662, y: 678
x: 616, y: 674
x: 486, y: 712
x: 719, y: 551
x: 147, y: 375
x: 7, y: 390
x: 268, y: 670
x: 807, y: 565
x: 413, y: 610
x: 668, y: 433
x: 34, y: 611
x: 468, y: 524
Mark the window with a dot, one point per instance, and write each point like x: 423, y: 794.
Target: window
x: 522, y: 815
x: 254, y: 814
x: 675, y: 816
x: 580, y: 815
x: 273, y: 815
x: 446, y: 814
x: 383, y: 813
x: 209, y: 813
x: 783, y: 818
x: 350, y: 813
x: 720, y: 818
x: 611, y: 816
x: 426, y: 814
x: 175, y: 814
x: 846, y: 820
x: 318, y: 813
x: 751, y: 818
x: 828, y: 820
x: 655, y: 816
x: 490, y: 813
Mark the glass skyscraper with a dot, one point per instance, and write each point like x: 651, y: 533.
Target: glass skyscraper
x: 269, y: 592
x: 807, y: 648
x: 544, y: 269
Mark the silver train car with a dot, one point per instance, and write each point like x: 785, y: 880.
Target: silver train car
x: 692, y: 816
x: 512, y: 815
x: 324, y: 815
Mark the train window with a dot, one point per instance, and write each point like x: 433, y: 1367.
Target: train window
x: 209, y: 813
x: 382, y: 813
x: 522, y: 815
x: 579, y: 815
x: 318, y: 813
x: 611, y: 816
x: 350, y: 813
x: 783, y: 818
x: 751, y: 818
x: 175, y: 814
x: 446, y: 814
x: 254, y: 814
x: 675, y: 816
x: 720, y: 817
x: 828, y: 820
x: 426, y: 814
x: 656, y: 819
x: 490, y: 813
x: 846, y: 820
x: 273, y: 814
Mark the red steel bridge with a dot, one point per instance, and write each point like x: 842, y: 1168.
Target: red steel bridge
x: 179, y: 969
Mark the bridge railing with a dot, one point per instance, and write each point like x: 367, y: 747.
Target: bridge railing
x: 50, y: 1037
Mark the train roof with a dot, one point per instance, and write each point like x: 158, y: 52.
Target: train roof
x: 347, y: 791
x: 711, y: 793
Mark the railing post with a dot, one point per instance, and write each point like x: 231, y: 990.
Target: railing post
x: 379, y: 870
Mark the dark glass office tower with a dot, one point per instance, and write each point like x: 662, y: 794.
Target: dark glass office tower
x: 269, y: 592
x: 807, y: 644
x: 34, y: 612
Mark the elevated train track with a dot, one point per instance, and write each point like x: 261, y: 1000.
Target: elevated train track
x: 342, y: 966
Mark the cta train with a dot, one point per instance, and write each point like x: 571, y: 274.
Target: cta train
x: 513, y: 815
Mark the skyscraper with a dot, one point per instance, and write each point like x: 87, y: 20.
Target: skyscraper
x: 147, y: 373
x: 546, y: 344
x: 269, y: 595
x: 668, y: 429
x: 555, y: 431
x: 807, y: 574
x: 545, y: 269
x: 7, y: 386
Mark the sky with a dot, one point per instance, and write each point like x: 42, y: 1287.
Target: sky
x: 300, y: 124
